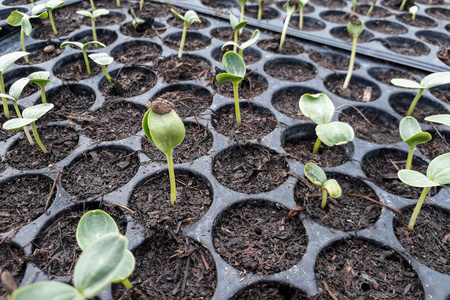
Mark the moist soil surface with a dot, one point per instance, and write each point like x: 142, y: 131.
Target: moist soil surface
x: 286, y: 101
x: 250, y: 169
x: 194, y: 41
x: 177, y: 23
x: 267, y: 13
x: 111, y: 19
x: 438, y: 145
x: 29, y: 89
x: 60, y: 141
x: 377, y: 12
x: 289, y: 48
x: 137, y: 54
x: 387, y: 27
x: 343, y: 34
x: 346, y: 213
x: 269, y: 244
x: 386, y: 75
x: 406, y: 47
x: 6, y: 134
x: 103, y: 36
x: 346, y: 271
x: 330, y: 4
x: 256, y: 122
x: 98, y: 172
x: 128, y: 82
x: 419, y: 21
x: 357, y: 90
x: 23, y: 200
x: 290, y: 70
x: 309, y: 24
x: 439, y: 13
x: 430, y: 240
x: 253, y: 85
x: 148, y: 29
x: 227, y: 34
x: 338, y: 17
x: 76, y: 70
x: 250, y: 56
x: 189, y: 67
x: 401, y: 103
x: 11, y: 260
x: 272, y: 291
x: 332, y: 61
x: 42, y: 54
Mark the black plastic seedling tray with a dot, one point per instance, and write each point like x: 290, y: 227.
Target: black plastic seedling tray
x: 229, y: 279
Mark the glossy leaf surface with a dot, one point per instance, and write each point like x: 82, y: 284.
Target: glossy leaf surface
x: 318, y: 107
x: 94, y: 225
x: 315, y: 174
x: 335, y: 133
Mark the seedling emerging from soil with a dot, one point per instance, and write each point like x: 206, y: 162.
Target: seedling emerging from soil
x: 165, y: 129
x: 136, y: 21
x: 354, y: 27
x: 441, y: 119
x: 51, y: 5
x: 438, y: 173
x: 354, y: 2
x: 374, y: 2
x: 317, y: 176
x: 103, y: 60
x: 242, y: 2
x: 30, y: 116
x: 290, y: 8
x: 428, y: 82
x: 302, y: 4
x: 237, y: 26
x: 244, y: 45
x: 260, y: 8
x: 320, y: 109
x: 20, y: 19
x: 5, y: 62
x: 412, y: 135
x: 118, y: 3
x: 413, y: 10
x: 95, y: 225
x: 189, y: 17
x: 97, y: 13
x: 41, y: 79
x: 83, y: 48
x: 235, y: 72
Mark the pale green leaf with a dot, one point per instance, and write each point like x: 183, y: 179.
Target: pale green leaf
x: 167, y: 131
x: 100, y: 12
x: 224, y: 77
x: 441, y: 119
x: 37, y: 111
x: 191, y: 16
x: 17, y: 123
x: 8, y: 59
x: 355, y: 29
x: 37, y: 9
x: 94, y: 225
x: 303, y: 2
x: 290, y: 8
x: 335, y: 133
x: 416, y: 179
x: 435, y: 79
x: 78, y: 44
x: 177, y: 15
x: 406, y: 83
x: 52, y: 4
x: 439, y: 169
x: 418, y: 138
x: 26, y: 26
x: 233, y: 21
x: 243, y: 1
x: 333, y: 188
x: 251, y: 41
x: 102, y: 59
x: 7, y: 96
x: 409, y: 127
x: 17, y: 87
x: 240, y: 25
x: 15, y: 18
x: 39, y: 75
x: 145, y: 126
x: 230, y: 43
x: 127, y: 267
x: 48, y: 290
x: 85, y: 13
x: 85, y: 46
x: 315, y: 174
x: 234, y: 64
x: 318, y: 107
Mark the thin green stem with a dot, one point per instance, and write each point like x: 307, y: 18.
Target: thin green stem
x: 409, y: 159
x: 94, y: 32
x: 25, y: 128
x: 300, y: 20
x: 22, y: 41
x: 92, y: 6
x: 414, y: 102
x: 324, y: 199
x: 118, y: 3
x: 352, y: 62
x: 50, y: 16
x: 236, y: 33
x: 241, y: 53
x: 316, y: 146
x: 402, y: 6
x: 285, y: 27
x: 127, y: 284
x: 371, y: 8
x: 5, y: 102
x: 237, y: 109
x: 242, y: 17
x: 107, y: 75
x: 173, y: 186
x: 260, y: 10
x: 86, y: 61
x: 417, y: 208
x: 36, y: 137
x: 183, y: 39
x: 141, y: 5
x: 354, y: 4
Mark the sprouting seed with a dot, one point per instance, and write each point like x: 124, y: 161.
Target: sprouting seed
x: 83, y: 48
x: 136, y: 21
x: 413, y: 10
x: 97, y: 13
x: 51, y: 5
x: 302, y: 4
x: 260, y: 8
x: 412, y: 135
x: 317, y: 176
x: 103, y: 59
x: 189, y: 17
x: 354, y: 27
x: 369, y: 11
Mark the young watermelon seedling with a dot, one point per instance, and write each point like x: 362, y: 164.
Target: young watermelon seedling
x: 83, y: 48
x: 237, y: 26
x: 354, y: 27
x: 412, y: 135
x: 302, y: 4
x: 41, y: 79
x: 189, y: 17
x: 290, y: 8
x: 317, y: 176
x: 51, y: 5
x: 97, y: 13
x: 244, y: 45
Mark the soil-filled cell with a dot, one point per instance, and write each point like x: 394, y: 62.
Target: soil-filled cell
x: 152, y: 10
x: 434, y: 38
x: 269, y: 244
x: 40, y: 52
x: 335, y: 16
x: 386, y: 27
x: 273, y: 46
x: 377, y: 12
x: 307, y: 9
x: 270, y: 290
x: 189, y: 67
x: 194, y: 41
x: 12, y: 260
x: 253, y: 85
x: 438, y: 145
x: 73, y: 68
x: 386, y: 74
x: 6, y: 134
x: 419, y: 21
x: 444, y: 56
x: 99, y: 172
x: 439, y: 13
x: 251, y: 55
x: 136, y: 52
x: 66, y: 21
x: 227, y: 34
x: 345, y: 270
x: 330, y: 4
x: 289, y: 69
x: 353, y: 211
x: 23, y: 199
x: 442, y: 93
x: 331, y: 60
x: 401, y: 102
x: 286, y: 100
x: 104, y: 36
x: 250, y: 169
x: 113, y: 18
x: 342, y: 33
x: 12, y: 76
x: 359, y: 89
x: 268, y: 13
x: 150, y: 28
x: 6, y: 12
x: 309, y: 23
x: 220, y: 3
x: 178, y: 23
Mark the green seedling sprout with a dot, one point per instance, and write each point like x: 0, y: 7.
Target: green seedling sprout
x: 103, y: 60
x: 413, y: 10
x: 51, y: 5
x: 235, y: 72
x: 354, y: 27
x: 260, y: 8
x: 141, y: 4
x: 97, y: 13
x: 354, y: 2
x: 237, y: 26
x: 83, y: 48
x: 5, y: 62
x: 317, y: 176
x: 412, y: 135
x: 165, y: 129
x: 95, y: 225
x: 136, y: 21
x: 242, y: 2
x: 118, y: 3
x: 244, y: 45
x: 438, y: 172
x: 23, y: 20
x: 441, y: 119
x: 41, y: 79
x: 301, y: 4
x: 30, y: 116
x: 369, y: 11
x: 92, y: 5
x: 428, y: 82
x: 290, y: 8
x: 320, y: 109
x: 189, y: 17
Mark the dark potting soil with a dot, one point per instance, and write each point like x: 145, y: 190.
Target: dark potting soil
x: 385, y: 75
x: 16, y: 2
x: 273, y: 46
x: 406, y: 47
x: 343, y: 34
x: 309, y: 24
x: 134, y: 54
x: 387, y: 27
x: 377, y: 12
x: 358, y: 269
x: 250, y: 55
x: 128, y: 82
x: 382, y: 166
x: 197, y: 142
x: 332, y: 61
x: 296, y: 71
x: 330, y: 4
x: 438, y: 145
x: 42, y: 54
x: 11, y: 260
x: 286, y: 102
x: 76, y: 70
x: 152, y: 10
x: 55, y: 249
x: 272, y: 291
x: 444, y: 55
x: 250, y: 169
x: 335, y: 16
x: 419, y: 21
x: 189, y: 67
x: 109, y: 4
x: 110, y: 19
x: 98, y: 172
x: 219, y: 3
x: 60, y: 141
x: 29, y: 89
x: 268, y: 244
x: 177, y: 23
x: 434, y: 2
x: 148, y: 29
x: 66, y: 21
x: 421, y: 111
x: 439, y: 13
x: 267, y: 13
x: 227, y: 34
x: 347, y: 213
x: 253, y: 85
x: 395, y: 4
x: 194, y: 41
x: 23, y: 199
x: 6, y: 134
x: 357, y: 90
x: 256, y: 122
x: 103, y: 36
x: 430, y: 241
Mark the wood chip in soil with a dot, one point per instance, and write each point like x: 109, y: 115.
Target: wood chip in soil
x: 135, y: 54
x: 12, y: 260
x: 98, y: 172
x: 76, y: 70
x: 60, y: 141
x: 175, y: 69
x: 273, y: 46
x: 272, y: 291
x: 250, y: 169
x: 358, y: 269
x: 356, y: 91
x: 253, y: 85
x: 267, y: 244
x: 128, y: 82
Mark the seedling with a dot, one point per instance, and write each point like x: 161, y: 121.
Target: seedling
x: 5, y: 62
x: 136, y: 21
x: 20, y: 19
x: 242, y: 2
x: 118, y: 3
x: 41, y: 79
x: 30, y: 116
x: 51, y: 5
x: 244, y: 45
x: 354, y: 2
x: 92, y: 5
x: 237, y: 26
x: 235, y: 72
x: 141, y: 5
x: 438, y: 172
x: 302, y: 4
x: 317, y: 176
x: 402, y: 5
x: 320, y: 109
x: 413, y: 10
x: 83, y: 48
x: 374, y: 2
x: 354, y: 27
x: 290, y: 8
x: 441, y: 119
x: 432, y: 80
x: 103, y: 60
x: 260, y: 8
x: 189, y: 17
x: 165, y: 129
x: 412, y: 135
x: 97, y: 13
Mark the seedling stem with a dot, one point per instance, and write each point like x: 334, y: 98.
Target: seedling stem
x: 25, y: 128
x: 183, y: 38
x: 352, y: 62
x: 92, y: 5
x: 260, y: 10
x: 22, y: 41
x: 417, y: 208
x: 5, y: 102
x: 127, y: 284
x: 414, y: 102
x: 36, y: 137
x: 316, y: 146
x: 107, y: 75
x: 236, y: 103
x: 173, y: 186
x: 118, y: 3
x: 324, y: 198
